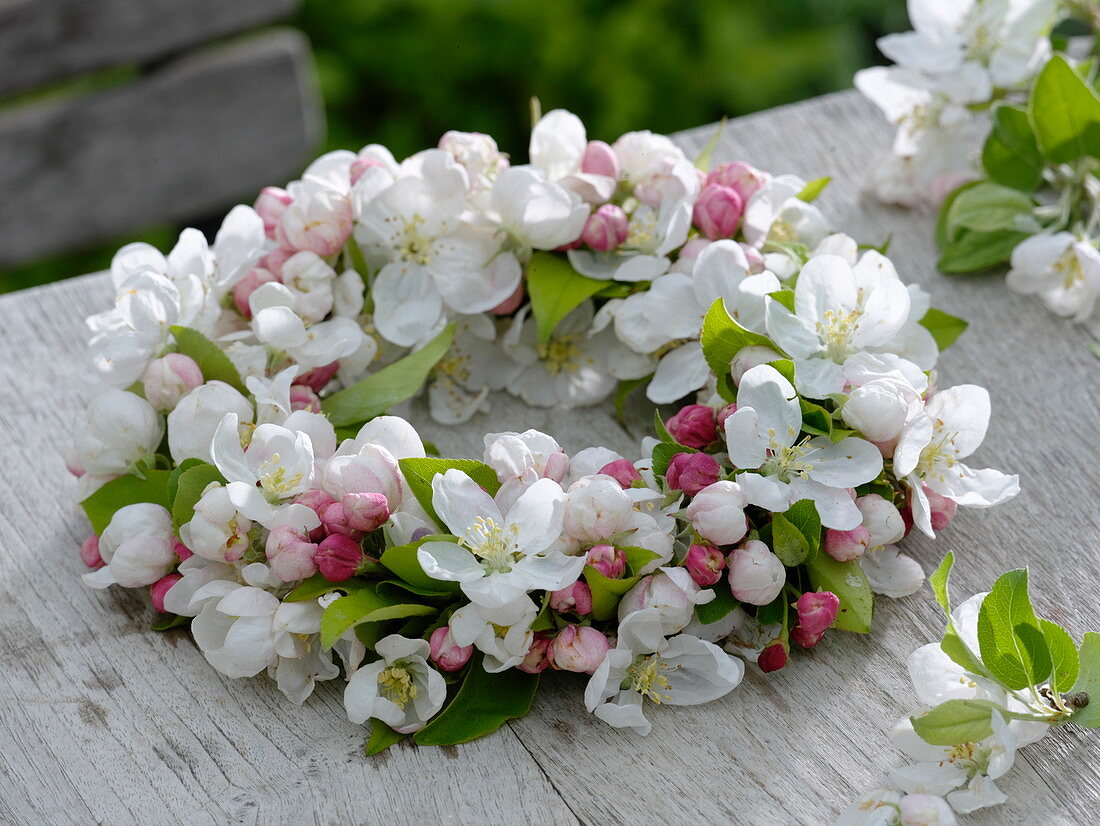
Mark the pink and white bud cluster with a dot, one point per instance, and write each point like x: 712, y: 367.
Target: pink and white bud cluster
x: 694, y: 425
x: 816, y: 612
x: 692, y: 472
x: 578, y: 648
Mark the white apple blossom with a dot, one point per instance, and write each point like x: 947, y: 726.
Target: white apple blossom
x: 535, y: 212
x: 114, y: 431
x: 193, y: 422
x: 683, y: 670
x: 498, y: 556
x: 502, y: 633
x: 932, y: 446
x: 763, y: 436
x: 137, y: 545
x: 217, y: 531
x: 776, y: 213
x: 521, y: 459
x: 598, y: 511
x: 717, y: 512
x: 672, y: 592
x: 474, y: 365
x: 401, y: 689
x: 558, y: 143
x: 888, y: 571
x: 1061, y: 269
x: 276, y: 322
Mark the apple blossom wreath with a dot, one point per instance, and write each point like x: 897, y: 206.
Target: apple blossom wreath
x: 238, y: 460
x: 1017, y: 75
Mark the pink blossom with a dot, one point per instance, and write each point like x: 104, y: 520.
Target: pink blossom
x: 705, y: 563
x: 600, y: 159
x: 365, y: 511
x: 942, y: 509
x: 161, y: 587
x: 623, y: 472
x: 318, y: 377
x: 182, y: 551
x: 511, y: 303
x: 535, y: 661
x: 303, y: 398
x: 816, y: 612
x: 606, y: 228
x: 577, y: 599
x: 743, y: 179
x: 89, y: 553
x: 446, y: 653
x: 243, y: 289
x: 608, y: 560
x: 844, y: 546
x: 773, y: 658
x: 270, y: 206
x: 338, y: 557
x: 290, y: 554
x: 694, y: 425
x: 578, y: 648
x: 691, y: 472
x: 717, y: 211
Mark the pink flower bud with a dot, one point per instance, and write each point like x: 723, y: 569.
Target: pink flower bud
x: 274, y: 260
x: 743, y: 179
x: 89, y: 553
x: 773, y: 658
x: 605, y: 228
x: 318, y: 377
x: 365, y: 511
x: 693, y: 425
x: 334, y: 519
x: 315, y: 500
x: 270, y: 205
x: 717, y: 211
x: 303, y: 398
x: 159, y: 588
x: 942, y: 509
x: 816, y: 611
x: 338, y: 557
x: 578, y: 648
x: 511, y: 303
x: 243, y: 289
x: 290, y: 554
x: 757, y: 576
x: 844, y: 546
x: 608, y: 560
x: 691, y: 472
x: 557, y: 465
x: 724, y: 414
x: 535, y: 661
x: 361, y: 165
x: 600, y: 159
x: 183, y: 552
x: 705, y: 563
x: 577, y: 599
x: 623, y: 472
x: 168, y: 379
x: 72, y: 462
x: 446, y: 653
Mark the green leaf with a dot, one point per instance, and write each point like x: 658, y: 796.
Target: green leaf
x: 177, y: 472
x: 974, y: 251
x: 956, y: 722
x: 397, y: 591
x: 661, y: 430
x: 212, y: 361
x: 939, y: 582
x: 1064, y: 113
x: 401, y: 559
x: 483, y: 704
x: 362, y: 606
x: 556, y: 289
x: 317, y: 586
x: 380, y: 391
x: 784, y: 297
x: 623, y: 391
x: 189, y: 488
x: 165, y: 622
x: 775, y: 611
x: 849, y: 583
x: 702, y: 161
x: 796, y: 533
x: 419, y: 473
x: 1011, y: 154
x: 663, y: 453
x: 942, y: 236
x: 1088, y: 681
x: 723, y: 338
x: 606, y: 593
x: 987, y: 207
x: 382, y: 737
x: 123, y: 491
x: 814, y: 188
x: 953, y: 646
x: 1012, y: 645
x: 719, y: 607
x: 815, y: 418
x: 1063, y: 655
x: 945, y: 329
x: 637, y: 558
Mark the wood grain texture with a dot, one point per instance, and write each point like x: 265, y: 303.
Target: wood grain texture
x: 186, y: 141
x: 107, y: 721
x: 47, y: 40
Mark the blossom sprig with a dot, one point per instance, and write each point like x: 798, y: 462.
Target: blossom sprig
x: 1000, y: 679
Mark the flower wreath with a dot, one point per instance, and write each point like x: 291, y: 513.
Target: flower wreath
x: 238, y: 461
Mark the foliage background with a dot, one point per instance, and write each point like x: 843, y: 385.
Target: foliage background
x: 402, y: 72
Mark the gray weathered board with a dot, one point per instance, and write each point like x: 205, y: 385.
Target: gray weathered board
x: 105, y: 721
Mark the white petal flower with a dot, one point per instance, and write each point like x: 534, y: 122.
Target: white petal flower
x: 138, y: 546
x: 1063, y: 271
x: 401, y: 689
x: 193, y: 422
x: 503, y: 634
x: 115, y: 430
x: 536, y: 212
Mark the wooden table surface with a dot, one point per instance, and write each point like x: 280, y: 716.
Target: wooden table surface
x: 102, y: 720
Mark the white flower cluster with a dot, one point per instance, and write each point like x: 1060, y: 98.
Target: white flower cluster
x: 960, y: 56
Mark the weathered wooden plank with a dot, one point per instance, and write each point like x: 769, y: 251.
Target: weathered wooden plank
x: 106, y: 722
x: 185, y: 141
x: 111, y: 722
x: 47, y: 40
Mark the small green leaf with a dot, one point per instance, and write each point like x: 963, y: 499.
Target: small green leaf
x: 380, y: 391
x: 1063, y: 655
x: 637, y: 558
x: 815, y: 418
x: 1011, y: 154
x: 419, y: 474
x: 395, y: 590
x: 123, y: 491
x: 988, y: 207
x: 363, y: 606
x: 382, y: 737
x: 943, y: 236
x: 1012, y: 645
x: 953, y: 646
x: 189, y: 489
x: 775, y: 611
x: 784, y: 297
x: 719, y: 607
x: 702, y: 161
x: 1064, y: 113
x: 663, y: 453
x: 849, y: 583
x: 814, y: 188
x: 945, y: 329
x: 939, y: 582
x: 556, y: 289
x: 401, y: 559
x: 974, y: 251
x: 956, y: 722
x: 623, y: 391
x: 796, y: 534
x: 723, y: 338
x: 606, y: 593
x: 1088, y: 681
x: 484, y: 702
x: 317, y: 586
x: 164, y: 622
x: 211, y: 359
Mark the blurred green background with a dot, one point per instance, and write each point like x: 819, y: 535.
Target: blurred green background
x: 402, y: 72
